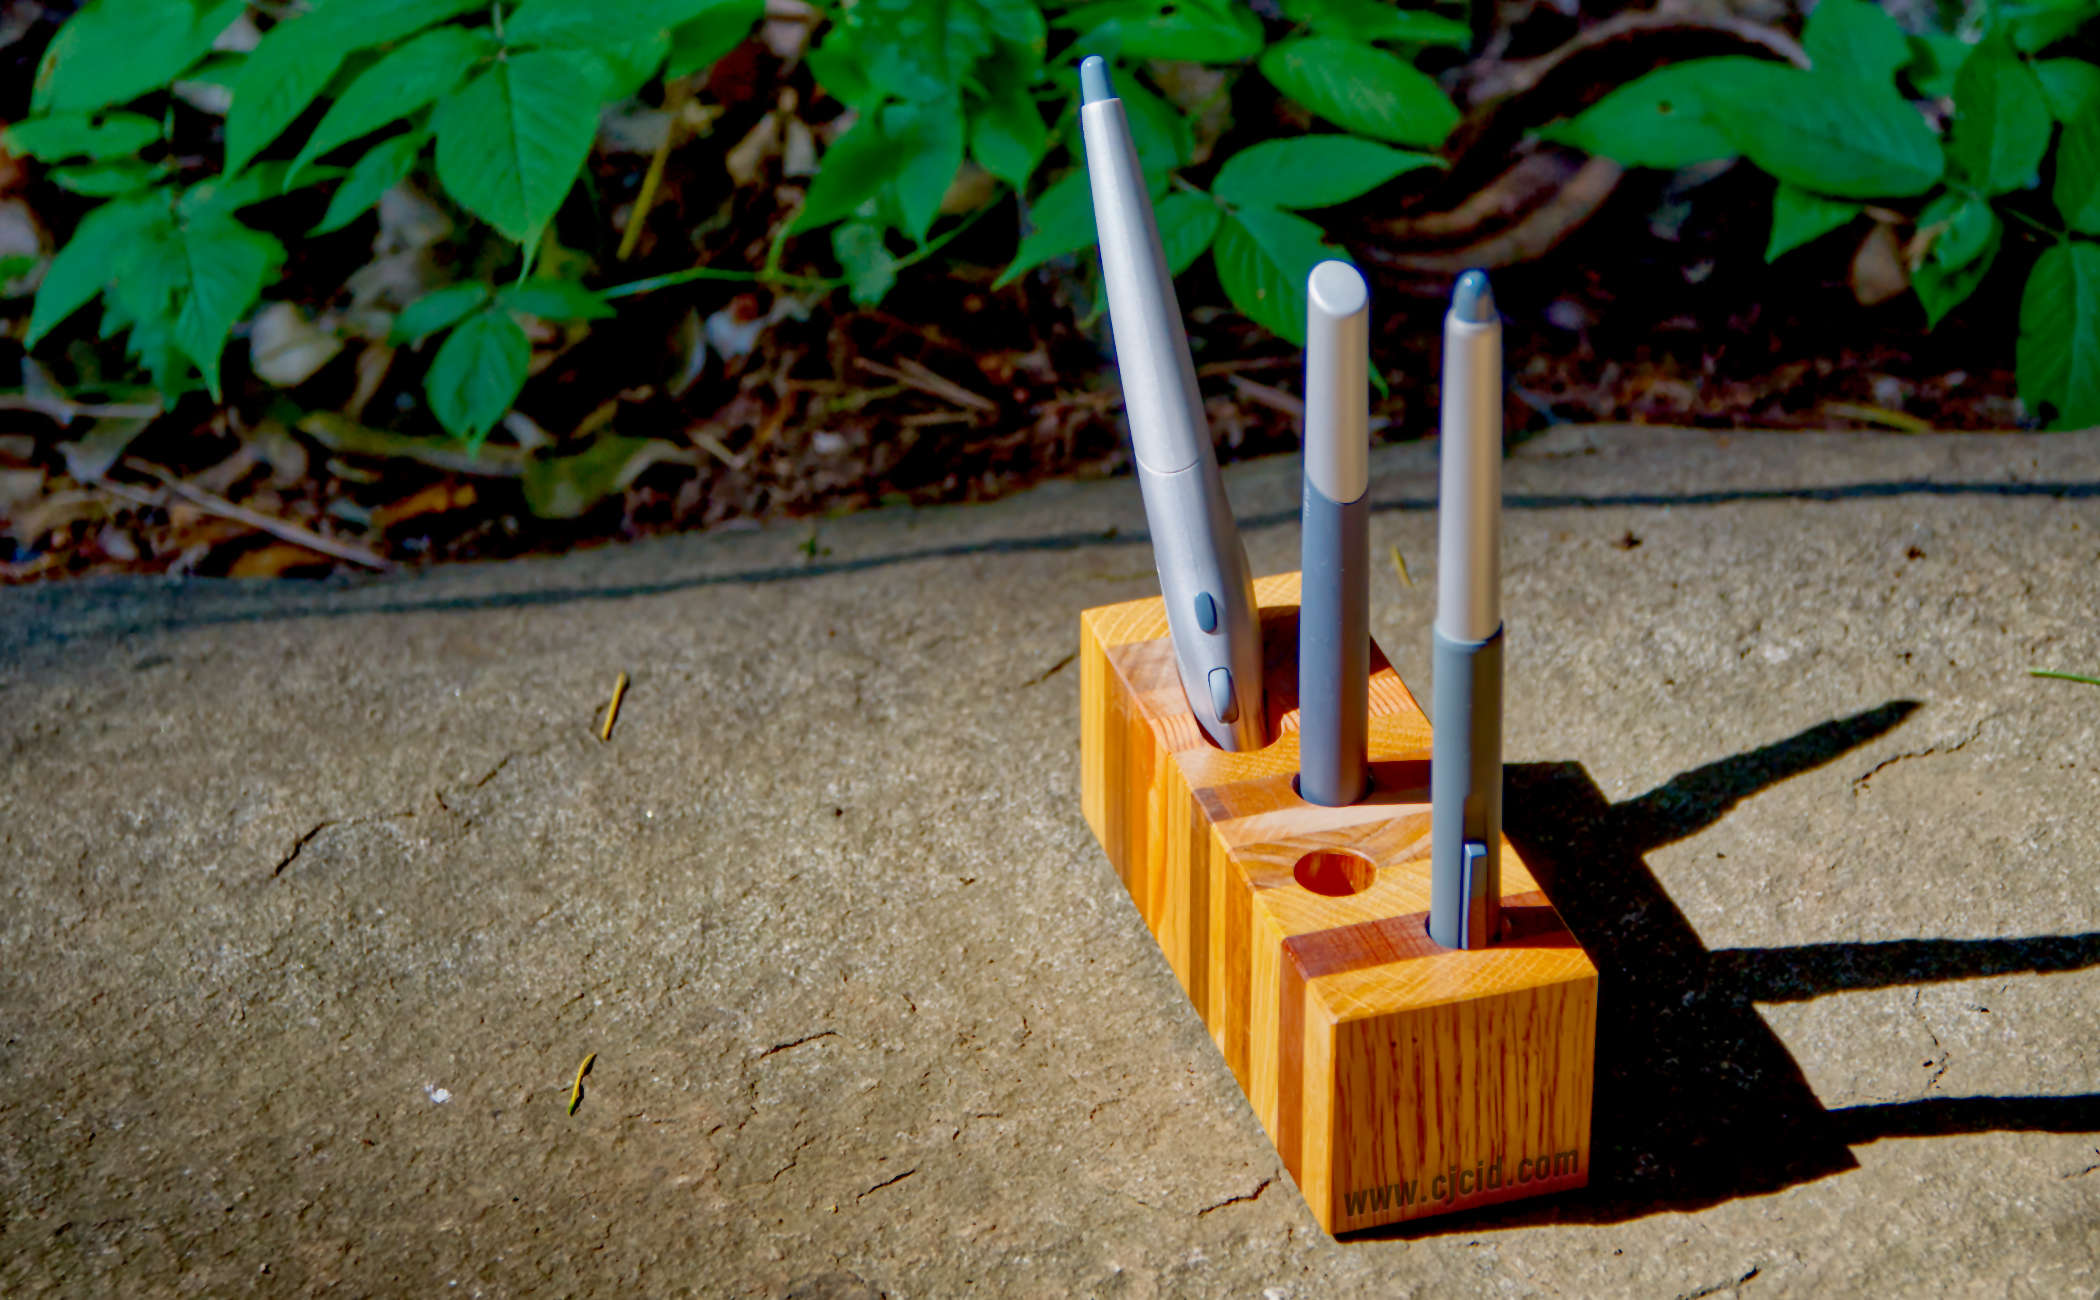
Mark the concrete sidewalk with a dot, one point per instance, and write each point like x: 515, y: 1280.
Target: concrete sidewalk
x: 316, y: 896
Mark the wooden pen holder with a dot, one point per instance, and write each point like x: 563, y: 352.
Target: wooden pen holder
x: 1397, y: 1078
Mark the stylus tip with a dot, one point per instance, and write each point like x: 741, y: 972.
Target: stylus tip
x: 1473, y: 301
x: 1094, y: 84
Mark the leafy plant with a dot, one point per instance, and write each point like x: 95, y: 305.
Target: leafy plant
x: 1844, y: 132
x: 934, y: 81
x: 511, y: 103
x: 500, y: 105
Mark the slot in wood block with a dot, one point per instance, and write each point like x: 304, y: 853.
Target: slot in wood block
x: 1398, y: 1079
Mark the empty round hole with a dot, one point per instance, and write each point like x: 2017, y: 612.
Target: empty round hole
x: 1337, y: 873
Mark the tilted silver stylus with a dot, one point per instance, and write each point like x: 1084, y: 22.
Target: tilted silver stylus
x: 1465, y: 771
x: 1203, y: 573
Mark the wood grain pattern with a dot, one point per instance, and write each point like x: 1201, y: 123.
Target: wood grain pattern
x: 1397, y: 1079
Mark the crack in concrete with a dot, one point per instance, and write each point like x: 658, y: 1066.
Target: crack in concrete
x: 438, y: 795
x: 1049, y: 672
x: 1254, y: 1195
x: 299, y: 847
x: 1719, y: 1287
x: 794, y: 1158
x: 887, y: 1182
x: 1859, y: 783
x: 806, y: 1038
x: 1945, y: 1059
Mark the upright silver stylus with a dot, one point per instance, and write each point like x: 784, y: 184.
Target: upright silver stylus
x: 1334, y: 619
x: 1203, y: 573
x: 1465, y: 771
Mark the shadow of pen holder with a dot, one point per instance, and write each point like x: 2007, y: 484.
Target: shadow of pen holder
x: 1398, y: 1079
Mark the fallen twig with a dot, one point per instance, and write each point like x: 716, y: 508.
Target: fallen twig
x: 916, y: 375
x: 675, y: 97
x: 1880, y: 415
x: 576, y: 1088
x: 65, y: 412
x: 1263, y: 395
x: 282, y: 529
x: 612, y: 711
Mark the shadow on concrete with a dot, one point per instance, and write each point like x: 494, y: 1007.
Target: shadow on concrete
x: 156, y: 605
x: 1697, y: 1101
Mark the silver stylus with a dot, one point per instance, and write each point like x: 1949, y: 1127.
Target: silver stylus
x: 1465, y: 770
x: 1203, y: 573
x: 1334, y: 620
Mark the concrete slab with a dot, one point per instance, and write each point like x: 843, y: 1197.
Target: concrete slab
x: 316, y: 896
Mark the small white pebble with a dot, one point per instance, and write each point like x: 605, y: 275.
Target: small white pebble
x: 437, y: 1094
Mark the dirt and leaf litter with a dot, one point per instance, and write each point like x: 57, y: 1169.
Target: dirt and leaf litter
x: 1631, y: 295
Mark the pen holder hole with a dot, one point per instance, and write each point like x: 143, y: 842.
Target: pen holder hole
x: 1336, y: 873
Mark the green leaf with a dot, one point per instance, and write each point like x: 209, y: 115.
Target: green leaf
x: 363, y: 24
x: 1312, y: 171
x: 477, y: 374
x: 259, y: 184
x: 1193, y: 31
x: 2038, y: 24
x: 563, y: 487
x: 436, y: 310
x: 1007, y: 135
x: 1366, y: 90
x: 870, y: 268
x: 1263, y: 257
x: 1856, y: 40
x: 383, y: 167
x: 854, y: 169
x: 1187, y: 224
x: 1798, y: 217
x: 105, y: 179
x: 77, y: 135
x: 401, y: 82
x: 926, y: 143
x: 924, y: 49
x: 551, y: 299
x: 1942, y: 287
x: 573, y: 23
x: 2001, y: 120
x: 2077, y: 189
x: 115, y: 50
x: 2057, y: 361
x: 511, y: 141
x: 1659, y: 120
x: 1377, y: 20
x: 281, y: 76
x: 717, y: 29
x: 1843, y: 138
x: 1935, y: 60
x: 88, y: 262
x: 1160, y: 132
x: 2072, y: 87
x: 1062, y: 218
x: 622, y: 70
x: 1960, y: 226
x: 225, y: 266
x: 837, y: 68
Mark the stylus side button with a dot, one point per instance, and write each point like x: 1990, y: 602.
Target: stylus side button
x: 1222, y: 701
x: 1206, y: 612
